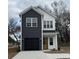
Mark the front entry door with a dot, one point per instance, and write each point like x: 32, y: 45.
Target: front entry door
x: 50, y: 43
x: 45, y: 43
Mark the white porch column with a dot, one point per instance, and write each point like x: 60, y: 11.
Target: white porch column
x: 56, y: 41
x: 42, y: 17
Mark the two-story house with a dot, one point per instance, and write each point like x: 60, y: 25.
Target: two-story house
x: 38, y: 29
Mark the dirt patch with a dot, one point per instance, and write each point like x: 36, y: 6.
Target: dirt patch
x: 65, y: 49
x: 12, y: 52
x: 10, y: 55
x: 62, y: 50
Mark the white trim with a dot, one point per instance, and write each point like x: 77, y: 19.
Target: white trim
x: 50, y: 34
x: 42, y: 30
x: 56, y: 43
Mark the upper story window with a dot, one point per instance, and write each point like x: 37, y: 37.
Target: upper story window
x: 44, y: 24
x: 48, y: 24
x: 51, y: 24
x: 31, y: 22
x: 28, y: 22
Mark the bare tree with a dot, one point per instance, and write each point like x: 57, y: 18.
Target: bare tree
x: 13, y: 29
x: 62, y: 16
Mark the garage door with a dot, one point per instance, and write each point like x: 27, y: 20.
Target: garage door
x: 31, y: 44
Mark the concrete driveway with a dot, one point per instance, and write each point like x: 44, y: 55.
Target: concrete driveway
x: 39, y: 55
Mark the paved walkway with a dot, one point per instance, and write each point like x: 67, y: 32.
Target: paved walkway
x: 39, y: 55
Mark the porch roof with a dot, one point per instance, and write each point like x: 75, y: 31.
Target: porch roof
x: 50, y: 34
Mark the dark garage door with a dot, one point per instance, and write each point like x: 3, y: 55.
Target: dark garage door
x: 31, y: 44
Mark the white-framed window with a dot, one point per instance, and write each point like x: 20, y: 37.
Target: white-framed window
x: 28, y: 22
x: 34, y: 22
x: 44, y: 24
x: 31, y: 22
x: 51, y: 24
x: 48, y: 24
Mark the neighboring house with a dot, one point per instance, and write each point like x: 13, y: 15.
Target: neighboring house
x: 38, y: 29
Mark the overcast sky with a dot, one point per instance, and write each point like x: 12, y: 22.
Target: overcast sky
x: 16, y: 6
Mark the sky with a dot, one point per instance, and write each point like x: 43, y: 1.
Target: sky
x: 16, y: 6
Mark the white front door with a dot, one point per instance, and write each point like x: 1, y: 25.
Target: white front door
x: 50, y: 42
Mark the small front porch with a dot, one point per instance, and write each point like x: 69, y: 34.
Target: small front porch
x: 50, y: 41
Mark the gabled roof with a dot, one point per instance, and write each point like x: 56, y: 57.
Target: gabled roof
x: 27, y: 9
x: 36, y: 9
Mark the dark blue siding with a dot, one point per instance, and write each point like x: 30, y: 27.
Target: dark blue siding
x: 31, y: 32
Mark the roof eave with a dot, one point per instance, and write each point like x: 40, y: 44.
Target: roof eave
x: 27, y: 9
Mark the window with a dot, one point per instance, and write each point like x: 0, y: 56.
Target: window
x: 34, y: 22
x: 44, y: 24
x: 28, y: 22
x: 31, y: 22
x: 48, y: 24
x: 51, y: 24
x: 51, y: 41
